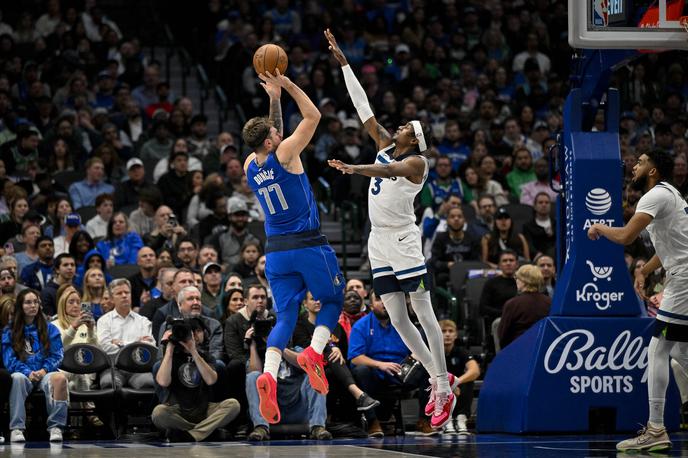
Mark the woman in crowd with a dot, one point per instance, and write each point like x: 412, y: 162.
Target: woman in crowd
x: 92, y: 260
x: 231, y: 302
x: 94, y: 288
x: 19, y: 207
x: 32, y: 353
x: 6, y: 306
x: 77, y: 325
x: 121, y: 245
x: 501, y: 238
x: 63, y: 207
x: 81, y: 244
x: 246, y: 267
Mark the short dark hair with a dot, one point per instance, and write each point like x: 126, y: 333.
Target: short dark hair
x: 60, y: 257
x: 248, y: 288
x: 663, y: 162
x: 104, y: 197
x: 508, y: 251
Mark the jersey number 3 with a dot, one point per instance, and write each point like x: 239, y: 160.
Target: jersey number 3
x: 265, y: 192
x: 376, y: 186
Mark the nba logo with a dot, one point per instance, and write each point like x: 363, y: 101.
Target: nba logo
x: 600, y: 9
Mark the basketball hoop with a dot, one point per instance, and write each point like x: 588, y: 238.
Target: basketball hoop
x: 683, y: 20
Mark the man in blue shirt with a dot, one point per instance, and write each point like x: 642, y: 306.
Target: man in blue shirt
x: 376, y: 352
x: 38, y: 274
x: 83, y: 193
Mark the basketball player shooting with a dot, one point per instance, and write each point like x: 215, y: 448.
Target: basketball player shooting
x: 664, y: 213
x: 298, y: 257
x: 394, y: 245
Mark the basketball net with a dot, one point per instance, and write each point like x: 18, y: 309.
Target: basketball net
x: 674, y: 11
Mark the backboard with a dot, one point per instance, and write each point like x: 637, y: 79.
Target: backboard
x: 627, y: 24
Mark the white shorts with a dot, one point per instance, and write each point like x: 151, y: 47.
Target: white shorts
x: 396, y: 251
x: 674, y: 305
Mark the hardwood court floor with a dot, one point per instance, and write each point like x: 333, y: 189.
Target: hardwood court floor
x: 483, y: 446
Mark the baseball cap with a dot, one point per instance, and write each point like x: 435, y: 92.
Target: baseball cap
x: 401, y: 47
x: 236, y: 205
x: 211, y: 265
x: 325, y: 101
x: 73, y: 220
x: 133, y: 162
x: 502, y: 213
x: 540, y: 125
x: 350, y: 124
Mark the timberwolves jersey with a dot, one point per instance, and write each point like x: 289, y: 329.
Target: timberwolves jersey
x: 390, y: 200
x: 287, y: 199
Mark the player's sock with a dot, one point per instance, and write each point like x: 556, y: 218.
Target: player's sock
x: 420, y: 301
x: 321, y: 336
x: 658, y: 377
x: 395, y: 304
x: 273, y: 358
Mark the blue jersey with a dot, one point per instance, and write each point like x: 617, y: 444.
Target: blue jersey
x: 287, y: 198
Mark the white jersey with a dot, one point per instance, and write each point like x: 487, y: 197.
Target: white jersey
x: 669, y: 227
x: 390, y: 200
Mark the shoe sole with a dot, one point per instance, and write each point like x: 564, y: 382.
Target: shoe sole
x: 316, y: 376
x: 376, y: 435
x: 449, y: 417
x: 268, y: 409
x: 371, y: 406
x: 650, y: 448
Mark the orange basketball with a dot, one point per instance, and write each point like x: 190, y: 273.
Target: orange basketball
x: 268, y: 57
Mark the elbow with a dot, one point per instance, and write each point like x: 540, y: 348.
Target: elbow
x: 162, y: 383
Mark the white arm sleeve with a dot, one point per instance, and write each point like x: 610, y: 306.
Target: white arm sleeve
x: 357, y: 94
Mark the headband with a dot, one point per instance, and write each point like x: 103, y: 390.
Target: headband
x: 418, y: 132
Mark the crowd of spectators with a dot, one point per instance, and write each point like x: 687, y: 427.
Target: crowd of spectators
x: 120, y: 210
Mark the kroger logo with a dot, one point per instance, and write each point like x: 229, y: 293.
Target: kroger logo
x: 591, y: 291
x: 598, y: 201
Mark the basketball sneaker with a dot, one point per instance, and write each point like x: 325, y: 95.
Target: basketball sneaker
x: 430, y: 406
x: 444, y: 406
x: 267, y: 392
x: 313, y: 365
x: 649, y: 439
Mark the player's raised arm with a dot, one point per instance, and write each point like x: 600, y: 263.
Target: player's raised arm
x: 291, y: 147
x: 358, y: 97
x: 275, y: 94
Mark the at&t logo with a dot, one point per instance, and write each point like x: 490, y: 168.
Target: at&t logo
x: 598, y: 202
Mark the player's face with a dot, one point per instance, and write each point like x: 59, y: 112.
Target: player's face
x: 641, y: 172
x: 275, y: 138
x: 404, y: 134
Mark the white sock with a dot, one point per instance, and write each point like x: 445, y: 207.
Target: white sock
x: 430, y: 367
x: 657, y: 413
x: 321, y: 336
x: 443, y: 383
x: 273, y: 358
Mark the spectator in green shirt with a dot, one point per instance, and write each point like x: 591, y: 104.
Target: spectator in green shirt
x: 522, y: 172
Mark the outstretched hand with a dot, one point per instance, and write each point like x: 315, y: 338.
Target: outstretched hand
x: 278, y: 79
x: 341, y: 166
x: 274, y: 91
x: 338, y: 54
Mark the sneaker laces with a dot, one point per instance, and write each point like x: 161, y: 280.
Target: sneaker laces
x: 432, y: 389
x: 440, y: 401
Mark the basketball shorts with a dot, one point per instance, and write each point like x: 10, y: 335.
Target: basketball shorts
x: 674, y: 305
x: 397, y: 253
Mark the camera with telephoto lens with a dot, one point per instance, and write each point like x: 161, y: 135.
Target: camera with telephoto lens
x: 181, y: 329
x: 261, y: 327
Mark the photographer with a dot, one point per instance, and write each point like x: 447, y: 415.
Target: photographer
x: 187, y: 374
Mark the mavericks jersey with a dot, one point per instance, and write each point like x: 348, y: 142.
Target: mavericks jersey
x: 390, y: 200
x: 286, y: 198
x: 669, y: 227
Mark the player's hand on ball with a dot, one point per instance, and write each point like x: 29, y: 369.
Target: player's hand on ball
x: 278, y: 79
x: 339, y: 165
x: 274, y: 91
x: 338, y: 54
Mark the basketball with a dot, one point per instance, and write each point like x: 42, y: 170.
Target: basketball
x: 268, y: 57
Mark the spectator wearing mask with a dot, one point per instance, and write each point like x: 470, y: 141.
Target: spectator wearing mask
x: 467, y: 371
x: 453, y: 246
x: 121, y: 246
x: 540, y: 231
x: 64, y: 272
x: 531, y: 190
x: 83, y: 193
x: 502, y: 238
x: 97, y: 226
x: 188, y: 373
x: 37, y: 275
x: 119, y: 328
x: 32, y: 352
x: 526, y: 309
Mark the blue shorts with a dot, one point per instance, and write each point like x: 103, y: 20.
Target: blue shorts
x: 293, y: 272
